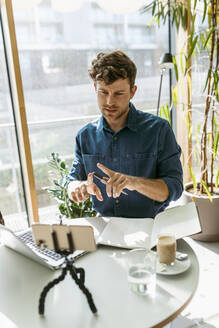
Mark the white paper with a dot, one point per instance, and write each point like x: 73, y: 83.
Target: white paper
x: 134, y: 232
x: 127, y: 232
x: 182, y: 221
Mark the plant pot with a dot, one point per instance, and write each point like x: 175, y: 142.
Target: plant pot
x: 208, y: 214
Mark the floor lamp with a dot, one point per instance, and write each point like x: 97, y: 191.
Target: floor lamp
x: 165, y: 62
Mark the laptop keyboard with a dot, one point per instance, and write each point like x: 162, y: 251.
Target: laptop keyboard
x: 27, y: 238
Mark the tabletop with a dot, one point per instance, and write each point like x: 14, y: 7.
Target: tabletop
x: 22, y: 280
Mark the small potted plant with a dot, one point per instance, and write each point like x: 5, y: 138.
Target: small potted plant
x: 58, y: 190
x: 205, y: 136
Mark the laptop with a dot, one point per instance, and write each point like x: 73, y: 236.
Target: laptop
x: 23, y: 243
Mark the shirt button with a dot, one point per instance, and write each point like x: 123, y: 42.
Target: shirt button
x: 115, y: 138
x: 117, y: 201
x: 115, y: 159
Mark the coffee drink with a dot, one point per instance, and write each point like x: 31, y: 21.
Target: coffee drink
x: 166, y: 248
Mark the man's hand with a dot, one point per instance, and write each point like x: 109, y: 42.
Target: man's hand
x: 79, y: 191
x: 155, y: 189
x: 116, y: 181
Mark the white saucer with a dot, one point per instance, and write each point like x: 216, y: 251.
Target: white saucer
x: 177, y: 268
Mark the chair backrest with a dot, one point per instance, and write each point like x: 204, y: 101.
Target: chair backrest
x: 1, y: 219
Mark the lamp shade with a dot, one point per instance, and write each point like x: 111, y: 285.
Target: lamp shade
x: 166, y: 61
x: 121, y: 6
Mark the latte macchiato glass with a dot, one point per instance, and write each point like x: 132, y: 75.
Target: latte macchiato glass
x: 166, y: 248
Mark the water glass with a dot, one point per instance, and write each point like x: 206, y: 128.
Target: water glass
x: 142, y: 270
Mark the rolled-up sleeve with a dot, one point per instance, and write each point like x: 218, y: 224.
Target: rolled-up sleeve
x: 169, y: 165
x: 77, y: 171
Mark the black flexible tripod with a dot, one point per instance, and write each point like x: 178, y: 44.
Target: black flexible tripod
x: 78, y: 274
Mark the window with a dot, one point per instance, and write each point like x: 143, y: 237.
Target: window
x: 55, y: 51
x: 11, y: 188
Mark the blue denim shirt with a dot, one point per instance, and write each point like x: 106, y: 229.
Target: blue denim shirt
x: 144, y: 147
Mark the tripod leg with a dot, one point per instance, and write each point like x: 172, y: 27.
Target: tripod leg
x: 80, y: 283
x: 81, y: 273
x: 47, y: 288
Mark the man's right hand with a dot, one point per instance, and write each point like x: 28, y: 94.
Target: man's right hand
x: 79, y: 191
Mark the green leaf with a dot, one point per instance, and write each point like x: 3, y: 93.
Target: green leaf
x: 205, y: 11
x: 207, y: 190
x: 193, y: 178
x: 165, y: 113
x: 207, y: 79
x: 174, y: 95
x: 194, y: 6
x: 208, y: 37
x: 175, y: 68
x: 217, y: 178
x: 193, y: 26
x: 216, y: 139
x: 151, y: 22
x: 62, y: 165
x: 162, y: 111
x: 193, y: 44
x: 188, y: 125
x: 216, y: 80
x: 181, y: 60
x: 153, y: 8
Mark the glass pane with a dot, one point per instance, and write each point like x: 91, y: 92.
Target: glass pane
x: 11, y: 191
x: 55, y: 50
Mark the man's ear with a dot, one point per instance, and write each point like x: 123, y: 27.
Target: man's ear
x: 133, y: 90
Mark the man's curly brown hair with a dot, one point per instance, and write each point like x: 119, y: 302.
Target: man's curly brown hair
x: 112, y: 66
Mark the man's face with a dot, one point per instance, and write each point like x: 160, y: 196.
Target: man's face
x: 113, y: 100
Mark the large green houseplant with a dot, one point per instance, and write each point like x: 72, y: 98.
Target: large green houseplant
x: 58, y: 190
x: 189, y: 15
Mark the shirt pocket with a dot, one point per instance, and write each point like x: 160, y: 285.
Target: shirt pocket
x: 90, y: 162
x: 141, y: 164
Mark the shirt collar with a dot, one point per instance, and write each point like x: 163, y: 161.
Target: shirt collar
x: 131, y: 119
x: 130, y: 122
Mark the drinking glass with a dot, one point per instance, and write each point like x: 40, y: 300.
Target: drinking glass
x: 166, y: 248
x: 142, y: 270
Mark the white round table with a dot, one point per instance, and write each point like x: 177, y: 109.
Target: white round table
x: 22, y: 280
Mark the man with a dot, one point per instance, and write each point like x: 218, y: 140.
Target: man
x: 136, y: 152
